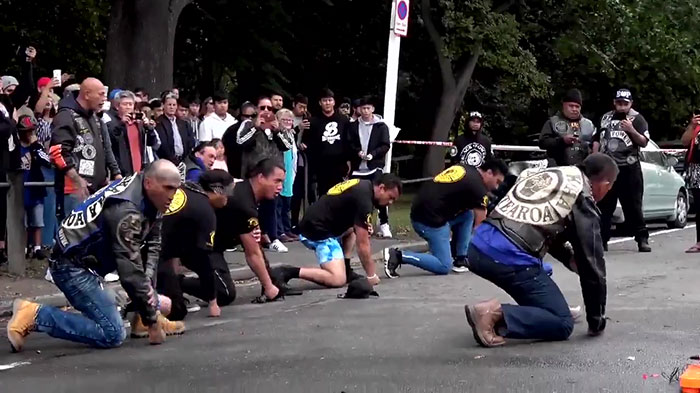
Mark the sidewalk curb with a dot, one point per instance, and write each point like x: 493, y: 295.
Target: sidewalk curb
x: 238, y: 274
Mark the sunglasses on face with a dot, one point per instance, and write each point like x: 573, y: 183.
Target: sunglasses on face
x: 265, y: 108
x: 248, y: 116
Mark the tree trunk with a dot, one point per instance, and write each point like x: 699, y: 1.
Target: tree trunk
x: 435, y: 159
x: 141, y: 42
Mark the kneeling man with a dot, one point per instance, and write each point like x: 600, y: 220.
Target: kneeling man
x: 539, y: 215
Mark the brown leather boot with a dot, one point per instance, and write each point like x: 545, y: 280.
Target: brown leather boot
x: 483, y: 318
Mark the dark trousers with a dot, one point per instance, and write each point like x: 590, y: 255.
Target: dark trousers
x: 268, y: 218
x: 173, y: 285
x: 629, y: 189
x: 299, y: 195
x: 542, y: 312
x: 384, y: 210
x: 696, y: 205
x: 329, y: 175
x: 284, y: 224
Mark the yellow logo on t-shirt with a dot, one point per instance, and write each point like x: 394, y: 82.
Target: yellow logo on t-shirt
x: 179, y: 201
x: 253, y: 223
x: 452, y: 174
x: 342, y: 187
x: 485, y: 201
x: 212, y: 235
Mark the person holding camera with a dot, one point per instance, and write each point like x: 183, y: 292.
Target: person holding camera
x: 623, y: 132
x: 131, y: 133
x: 567, y: 136
x: 691, y: 140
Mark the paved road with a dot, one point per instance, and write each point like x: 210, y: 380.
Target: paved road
x: 414, y: 338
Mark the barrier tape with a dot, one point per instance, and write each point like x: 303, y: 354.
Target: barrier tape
x: 507, y: 147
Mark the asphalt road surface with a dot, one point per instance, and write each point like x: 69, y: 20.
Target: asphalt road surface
x: 413, y: 338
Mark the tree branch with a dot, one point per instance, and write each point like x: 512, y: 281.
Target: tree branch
x: 448, y: 79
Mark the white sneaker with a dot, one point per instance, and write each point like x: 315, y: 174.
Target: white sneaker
x: 385, y: 231
x: 277, y: 246
x: 111, y: 277
x: 48, y: 276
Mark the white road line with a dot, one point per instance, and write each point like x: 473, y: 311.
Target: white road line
x: 626, y: 239
x: 4, y: 367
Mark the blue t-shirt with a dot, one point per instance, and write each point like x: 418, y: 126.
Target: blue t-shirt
x: 492, y: 242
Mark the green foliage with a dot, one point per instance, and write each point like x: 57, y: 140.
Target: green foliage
x: 68, y: 34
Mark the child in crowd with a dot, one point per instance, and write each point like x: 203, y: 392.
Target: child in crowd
x: 220, y: 162
x: 33, y: 158
x: 284, y: 224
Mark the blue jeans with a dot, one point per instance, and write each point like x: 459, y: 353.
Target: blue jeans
x: 99, y: 325
x: 542, y: 312
x: 49, y: 210
x: 284, y: 223
x: 268, y: 218
x: 439, y: 261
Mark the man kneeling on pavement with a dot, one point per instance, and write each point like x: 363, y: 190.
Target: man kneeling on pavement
x: 117, y: 228
x: 539, y: 215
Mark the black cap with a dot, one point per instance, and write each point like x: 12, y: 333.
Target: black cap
x: 219, y: 96
x: 215, y: 180
x: 573, y: 95
x: 359, y: 288
x: 475, y: 115
x: 624, y: 95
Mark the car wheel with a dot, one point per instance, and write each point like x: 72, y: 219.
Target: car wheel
x: 681, y: 212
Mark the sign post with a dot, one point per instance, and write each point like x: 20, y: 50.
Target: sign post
x: 397, y: 29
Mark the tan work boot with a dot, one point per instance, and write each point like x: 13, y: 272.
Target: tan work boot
x: 482, y: 318
x: 138, y: 329
x: 22, y: 322
x: 171, y: 328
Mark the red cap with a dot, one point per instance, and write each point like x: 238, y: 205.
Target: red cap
x: 43, y: 82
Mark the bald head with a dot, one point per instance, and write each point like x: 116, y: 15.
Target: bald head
x: 162, y: 170
x: 92, y: 94
x: 161, y: 180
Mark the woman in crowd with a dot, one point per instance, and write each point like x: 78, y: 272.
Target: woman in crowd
x: 691, y: 139
x: 284, y: 200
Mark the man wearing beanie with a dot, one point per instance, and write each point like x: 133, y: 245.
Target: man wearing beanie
x: 567, y: 136
x: 623, y: 132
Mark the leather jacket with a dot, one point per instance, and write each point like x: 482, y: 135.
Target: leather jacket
x: 115, y: 228
x: 545, y: 210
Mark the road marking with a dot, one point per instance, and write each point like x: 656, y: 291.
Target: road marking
x: 626, y: 239
x: 4, y: 367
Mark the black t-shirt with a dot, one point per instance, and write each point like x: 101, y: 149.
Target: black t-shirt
x: 472, y: 149
x: 347, y: 204
x: 326, y: 139
x: 453, y: 191
x: 188, y: 225
x: 615, y: 142
x: 238, y: 217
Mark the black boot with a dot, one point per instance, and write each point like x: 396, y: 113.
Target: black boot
x: 643, y: 245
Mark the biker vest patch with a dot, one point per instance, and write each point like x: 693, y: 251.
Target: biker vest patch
x: 542, y: 198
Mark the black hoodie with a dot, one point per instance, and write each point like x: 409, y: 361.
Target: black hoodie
x: 77, y: 142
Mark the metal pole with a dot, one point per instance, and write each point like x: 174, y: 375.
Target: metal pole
x: 390, y: 87
x: 16, y: 231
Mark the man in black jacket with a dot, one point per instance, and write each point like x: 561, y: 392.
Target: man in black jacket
x: 116, y: 228
x: 539, y: 215
x: 568, y: 136
x: 368, y: 142
x: 130, y: 135
x: 176, y: 136
x: 80, y: 147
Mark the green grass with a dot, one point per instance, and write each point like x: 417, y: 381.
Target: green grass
x: 399, y: 217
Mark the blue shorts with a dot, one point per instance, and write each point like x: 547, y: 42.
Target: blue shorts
x: 326, y: 250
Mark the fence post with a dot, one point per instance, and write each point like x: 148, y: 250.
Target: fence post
x: 16, y: 232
